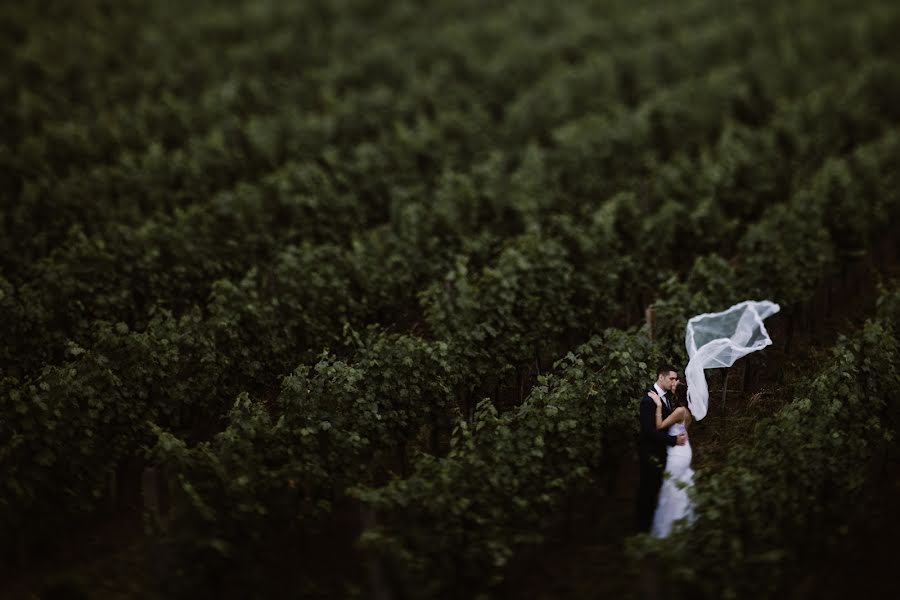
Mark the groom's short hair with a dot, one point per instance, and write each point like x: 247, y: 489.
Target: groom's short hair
x: 665, y: 369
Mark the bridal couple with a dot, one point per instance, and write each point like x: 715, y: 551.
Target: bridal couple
x: 665, y: 452
x: 712, y: 341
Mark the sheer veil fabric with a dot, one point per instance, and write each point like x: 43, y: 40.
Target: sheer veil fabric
x: 715, y: 340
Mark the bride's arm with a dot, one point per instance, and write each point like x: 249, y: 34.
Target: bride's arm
x: 676, y: 417
x: 671, y: 419
x: 649, y: 432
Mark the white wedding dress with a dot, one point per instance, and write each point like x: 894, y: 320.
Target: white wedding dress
x: 712, y: 340
x: 674, y: 502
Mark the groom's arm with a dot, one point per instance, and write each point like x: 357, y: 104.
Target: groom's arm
x: 648, y: 424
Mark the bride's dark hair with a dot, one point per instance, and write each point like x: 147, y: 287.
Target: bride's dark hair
x: 681, y: 397
x: 681, y: 394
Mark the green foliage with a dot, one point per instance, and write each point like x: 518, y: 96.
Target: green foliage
x: 504, y: 315
x: 333, y: 425
x: 711, y: 285
x: 787, y: 489
x: 358, y: 219
x: 452, y: 527
x: 66, y: 429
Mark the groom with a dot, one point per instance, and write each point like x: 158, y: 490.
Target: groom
x: 653, y: 444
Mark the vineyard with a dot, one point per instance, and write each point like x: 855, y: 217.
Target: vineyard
x: 357, y: 299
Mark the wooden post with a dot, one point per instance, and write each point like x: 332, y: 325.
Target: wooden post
x: 435, y: 437
x: 724, y: 397
x: 153, y: 515
x: 520, y: 378
x: 21, y: 550
x: 650, y: 316
x: 788, y: 337
x: 112, y: 490
x: 377, y: 579
x: 158, y: 494
x: 745, y: 376
x: 404, y: 463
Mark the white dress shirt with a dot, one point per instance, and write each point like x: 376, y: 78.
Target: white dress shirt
x: 662, y: 395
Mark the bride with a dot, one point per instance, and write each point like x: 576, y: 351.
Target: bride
x: 713, y: 341
x: 674, y: 502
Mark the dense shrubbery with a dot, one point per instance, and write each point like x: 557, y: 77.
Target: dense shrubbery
x: 361, y: 227
x: 787, y: 491
x: 452, y: 527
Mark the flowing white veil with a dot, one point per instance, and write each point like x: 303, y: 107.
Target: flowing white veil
x: 716, y: 340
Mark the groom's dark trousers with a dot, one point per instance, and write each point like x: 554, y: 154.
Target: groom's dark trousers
x: 652, y: 448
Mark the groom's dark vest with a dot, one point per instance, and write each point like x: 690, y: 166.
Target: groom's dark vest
x: 653, y: 443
